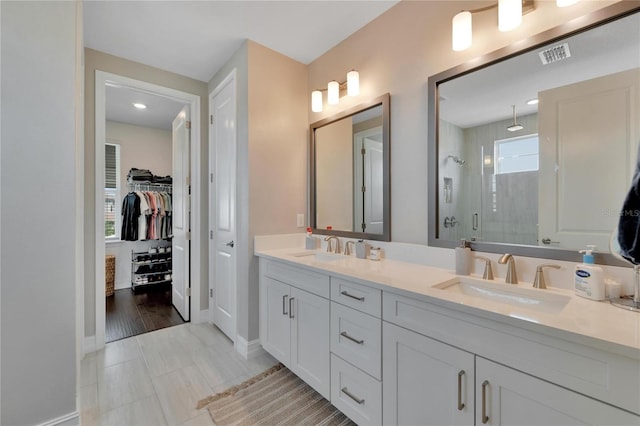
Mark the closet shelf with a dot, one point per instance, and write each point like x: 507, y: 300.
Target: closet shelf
x: 143, y: 269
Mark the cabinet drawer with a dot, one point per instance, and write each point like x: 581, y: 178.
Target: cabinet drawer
x: 357, y: 338
x: 355, y: 393
x: 361, y: 297
x: 313, y: 282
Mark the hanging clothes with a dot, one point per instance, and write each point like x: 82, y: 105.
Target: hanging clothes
x: 130, y: 214
x: 146, y: 215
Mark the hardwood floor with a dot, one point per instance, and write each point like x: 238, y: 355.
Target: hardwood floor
x: 129, y: 314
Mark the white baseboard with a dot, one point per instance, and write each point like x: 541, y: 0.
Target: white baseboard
x: 89, y: 345
x: 250, y: 349
x: 71, y: 419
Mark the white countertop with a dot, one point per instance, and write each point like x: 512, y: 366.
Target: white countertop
x: 595, y: 323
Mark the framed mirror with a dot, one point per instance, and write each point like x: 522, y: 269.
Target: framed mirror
x: 350, y: 172
x: 532, y: 148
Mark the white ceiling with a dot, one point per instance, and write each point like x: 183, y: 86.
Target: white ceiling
x: 486, y: 96
x: 195, y: 38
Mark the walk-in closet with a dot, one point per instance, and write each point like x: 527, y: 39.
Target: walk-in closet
x: 139, y: 212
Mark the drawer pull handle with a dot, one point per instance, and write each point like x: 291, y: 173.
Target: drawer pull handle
x: 460, y: 403
x: 353, y: 339
x: 344, y: 293
x: 291, y: 307
x: 485, y: 418
x: 284, y: 305
x: 352, y: 396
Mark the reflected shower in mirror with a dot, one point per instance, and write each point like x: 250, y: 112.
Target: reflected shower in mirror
x: 538, y: 150
x: 350, y: 172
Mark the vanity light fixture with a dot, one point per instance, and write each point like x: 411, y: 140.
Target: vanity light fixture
x: 352, y: 85
x: 316, y: 101
x: 515, y: 126
x: 139, y: 105
x: 509, y: 17
x: 333, y: 93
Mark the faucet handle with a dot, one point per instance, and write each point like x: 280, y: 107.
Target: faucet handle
x: 539, y: 281
x: 347, y: 252
x: 488, y: 271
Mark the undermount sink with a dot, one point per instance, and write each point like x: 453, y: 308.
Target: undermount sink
x: 508, y: 294
x: 320, y: 256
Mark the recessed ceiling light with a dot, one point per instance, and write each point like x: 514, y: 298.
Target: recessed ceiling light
x: 532, y: 101
x: 139, y: 105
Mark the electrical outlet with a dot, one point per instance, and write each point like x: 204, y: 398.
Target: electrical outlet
x: 300, y: 220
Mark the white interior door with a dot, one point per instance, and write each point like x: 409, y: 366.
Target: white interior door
x: 368, y: 189
x: 180, y: 199
x: 222, y: 193
x: 579, y: 125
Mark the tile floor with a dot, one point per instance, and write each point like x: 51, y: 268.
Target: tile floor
x: 157, y: 378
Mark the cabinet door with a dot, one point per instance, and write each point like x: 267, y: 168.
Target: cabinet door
x: 275, y: 327
x: 425, y: 382
x: 508, y: 397
x: 310, y: 340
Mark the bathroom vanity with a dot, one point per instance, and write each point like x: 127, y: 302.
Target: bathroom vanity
x: 391, y: 342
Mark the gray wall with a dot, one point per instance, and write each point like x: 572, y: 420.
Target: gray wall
x: 95, y: 60
x: 38, y: 167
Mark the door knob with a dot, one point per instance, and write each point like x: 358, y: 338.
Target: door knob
x: 230, y: 244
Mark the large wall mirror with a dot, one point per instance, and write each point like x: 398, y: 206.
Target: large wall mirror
x: 350, y: 191
x: 533, y: 152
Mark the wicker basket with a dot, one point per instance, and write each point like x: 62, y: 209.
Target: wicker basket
x: 110, y: 274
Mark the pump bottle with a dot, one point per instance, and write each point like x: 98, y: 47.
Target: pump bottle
x: 589, y: 278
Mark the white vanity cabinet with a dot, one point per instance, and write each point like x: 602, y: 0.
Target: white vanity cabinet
x: 294, y: 323
x: 519, y: 377
x: 425, y: 381
x: 505, y: 396
x: 356, y: 351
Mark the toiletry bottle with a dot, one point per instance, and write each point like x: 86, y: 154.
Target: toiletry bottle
x: 463, y: 258
x: 589, y: 278
x: 311, y: 242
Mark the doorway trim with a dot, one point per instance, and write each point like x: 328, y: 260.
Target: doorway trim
x: 101, y: 79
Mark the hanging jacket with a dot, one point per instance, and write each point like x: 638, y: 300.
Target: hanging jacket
x: 130, y: 214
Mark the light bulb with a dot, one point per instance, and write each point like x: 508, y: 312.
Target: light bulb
x: 353, y: 83
x: 509, y: 14
x: 461, y: 31
x: 316, y: 101
x: 333, y: 95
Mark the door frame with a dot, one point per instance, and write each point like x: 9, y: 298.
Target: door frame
x: 229, y: 79
x: 101, y: 79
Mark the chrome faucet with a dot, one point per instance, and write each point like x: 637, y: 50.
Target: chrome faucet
x: 337, y: 245
x: 539, y: 281
x: 512, y: 277
x: 347, y: 252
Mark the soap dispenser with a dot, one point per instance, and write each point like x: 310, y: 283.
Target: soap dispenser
x: 463, y: 258
x: 589, y: 278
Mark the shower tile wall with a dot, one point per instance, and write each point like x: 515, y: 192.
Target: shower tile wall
x: 513, y: 216
x: 450, y: 169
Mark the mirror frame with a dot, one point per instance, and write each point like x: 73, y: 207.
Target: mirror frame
x: 575, y: 26
x: 383, y: 100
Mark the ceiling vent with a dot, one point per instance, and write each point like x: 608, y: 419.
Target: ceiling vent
x: 555, y: 54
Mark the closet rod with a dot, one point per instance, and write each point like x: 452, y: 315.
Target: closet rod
x: 150, y: 186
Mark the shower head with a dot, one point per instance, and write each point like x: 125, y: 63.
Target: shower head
x: 458, y: 160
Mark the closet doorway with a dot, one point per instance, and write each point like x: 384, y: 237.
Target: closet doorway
x: 143, y: 207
